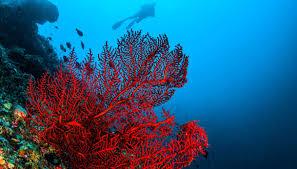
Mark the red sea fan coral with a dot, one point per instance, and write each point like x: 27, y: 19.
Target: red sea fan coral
x: 99, y: 114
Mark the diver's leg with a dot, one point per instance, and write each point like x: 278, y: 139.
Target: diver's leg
x: 136, y: 20
x: 131, y: 23
x: 119, y: 23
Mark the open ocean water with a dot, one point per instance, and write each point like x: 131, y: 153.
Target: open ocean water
x: 242, y: 75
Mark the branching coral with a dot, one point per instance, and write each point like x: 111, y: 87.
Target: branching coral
x: 100, y: 114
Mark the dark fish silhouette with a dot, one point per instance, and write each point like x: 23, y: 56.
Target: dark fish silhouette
x: 68, y: 44
x: 147, y: 10
x: 79, y: 32
x: 56, y: 27
x: 62, y: 48
x: 49, y: 38
x: 82, y: 45
x: 65, y: 59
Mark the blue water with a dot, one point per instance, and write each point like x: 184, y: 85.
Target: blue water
x: 242, y: 78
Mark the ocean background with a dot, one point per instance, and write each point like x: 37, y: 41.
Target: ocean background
x: 242, y: 76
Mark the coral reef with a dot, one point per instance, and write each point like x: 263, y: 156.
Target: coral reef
x: 16, y: 66
x: 17, y: 149
x: 23, y: 54
x: 101, y: 114
x: 12, y: 82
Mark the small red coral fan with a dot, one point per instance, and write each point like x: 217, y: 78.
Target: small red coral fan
x: 100, y: 114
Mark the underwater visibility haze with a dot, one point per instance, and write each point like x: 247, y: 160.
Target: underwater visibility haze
x: 177, y: 84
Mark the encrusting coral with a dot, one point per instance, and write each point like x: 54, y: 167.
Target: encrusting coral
x: 17, y: 148
x: 99, y: 114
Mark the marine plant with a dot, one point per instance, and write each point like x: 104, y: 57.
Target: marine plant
x: 100, y: 113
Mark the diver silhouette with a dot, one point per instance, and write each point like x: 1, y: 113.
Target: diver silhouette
x: 146, y: 10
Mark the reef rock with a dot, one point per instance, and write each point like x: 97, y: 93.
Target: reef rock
x: 18, y: 23
x: 23, y: 52
x: 38, y: 11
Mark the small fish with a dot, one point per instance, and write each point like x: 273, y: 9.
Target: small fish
x: 82, y: 45
x: 79, y: 32
x: 68, y: 44
x: 65, y: 58
x: 49, y: 38
x: 62, y: 48
x: 56, y: 27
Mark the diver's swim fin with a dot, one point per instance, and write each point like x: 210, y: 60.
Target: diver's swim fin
x: 117, y: 24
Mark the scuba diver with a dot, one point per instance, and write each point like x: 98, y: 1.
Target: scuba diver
x: 147, y: 10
